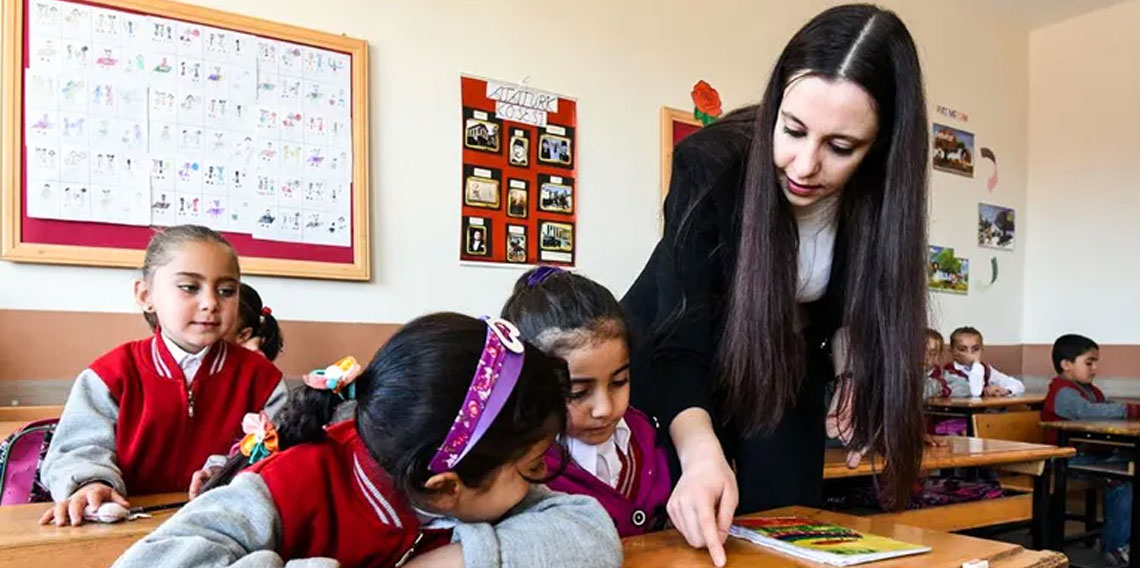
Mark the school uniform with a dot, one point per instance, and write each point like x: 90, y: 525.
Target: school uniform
x: 1070, y: 400
x: 982, y: 375
x: 146, y: 415
x: 945, y: 385
x: 628, y: 474
x: 331, y: 500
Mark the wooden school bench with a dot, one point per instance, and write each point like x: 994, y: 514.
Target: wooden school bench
x: 24, y: 542
x: 968, y: 407
x: 668, y: 549
x: 1036, y: 460
x: 1124, y: 434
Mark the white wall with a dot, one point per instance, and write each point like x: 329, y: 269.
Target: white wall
x: 1084, y: 193
x: 622, y: 61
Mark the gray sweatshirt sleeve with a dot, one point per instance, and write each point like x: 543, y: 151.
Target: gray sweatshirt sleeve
x: 277, y: 400
x: 959, y: 386
x: 83, y: 447
x: 1070, y: 405
x: 547, y: 529
x: 235, y: 525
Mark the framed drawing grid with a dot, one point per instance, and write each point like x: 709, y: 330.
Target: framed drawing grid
x: 310, y: 230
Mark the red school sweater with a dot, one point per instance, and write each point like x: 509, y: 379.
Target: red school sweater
x: 166, y: 429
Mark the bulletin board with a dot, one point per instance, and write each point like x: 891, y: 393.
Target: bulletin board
x: 675, y: 126
x: 121, y: 116
x: 519, y: 186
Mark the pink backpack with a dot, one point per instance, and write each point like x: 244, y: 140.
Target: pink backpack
x: 21, y: 456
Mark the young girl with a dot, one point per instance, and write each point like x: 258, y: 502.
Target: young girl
x: 258, y: 330
x: 939, y: 383
x: 389, y: 485
x: 144, y: 416
x: 615, y: 454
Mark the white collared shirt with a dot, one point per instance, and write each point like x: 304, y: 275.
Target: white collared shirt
x: 976, y: 374
x: 602, y: 459
x: 188, y: 362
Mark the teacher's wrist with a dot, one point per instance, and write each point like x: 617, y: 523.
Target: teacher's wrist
x: 693, y: 436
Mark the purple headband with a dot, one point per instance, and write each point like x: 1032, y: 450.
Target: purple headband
x: 494, y: 379
x: 541, y: 273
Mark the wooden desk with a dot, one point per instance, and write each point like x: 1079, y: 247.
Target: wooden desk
x: 29, y: 413
x: 1036, y: 460
x: 23, y: 542
x: 967, y: 407
x: 667, y: 549
x: 1124, y: 433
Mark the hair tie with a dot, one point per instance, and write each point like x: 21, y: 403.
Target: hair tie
x: 495, y: 377
x: 540, y: 274
x: 260, y: 439
x: 265, y: 311
x: 338, y: 377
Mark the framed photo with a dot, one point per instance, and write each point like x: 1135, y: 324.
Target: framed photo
x: 953, y: 151
x: 556, y: 146
x: 482, y: 131
x: 555, y: 236
x: 481, y: 187
x: 555, y: 194
x: 477, y: 236
x: 995, y: 226
x: 518, y: 151
x: 517, y: 199
x: 516, y: 243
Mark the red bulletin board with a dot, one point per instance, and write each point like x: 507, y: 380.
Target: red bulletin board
x: 51, y: 241
x: 519, y: 187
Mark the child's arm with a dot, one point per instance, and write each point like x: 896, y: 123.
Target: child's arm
x: 83, y: 448
x: 547, y: 529
x: 277, y: 400
x: 977, y: 379
x: 1070, y: 405
x: 224, y: 527
x: 1014, y: 386
x: 959, y: 386
x: 931, y: 388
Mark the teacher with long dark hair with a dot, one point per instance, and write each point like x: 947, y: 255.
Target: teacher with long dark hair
x: 793, y: 259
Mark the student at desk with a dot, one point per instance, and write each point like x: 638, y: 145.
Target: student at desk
x: 1072, y: 396
x: 966, y: 345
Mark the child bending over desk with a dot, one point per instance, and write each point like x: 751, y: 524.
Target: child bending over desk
x: 1072, y: 396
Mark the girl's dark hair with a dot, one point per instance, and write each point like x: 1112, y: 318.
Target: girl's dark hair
x: 881, y: 240
x: 163, y: 244
x: 1070, y: 346
x: 564, y: 311
x: 264, y: 325
x: 408, y: 397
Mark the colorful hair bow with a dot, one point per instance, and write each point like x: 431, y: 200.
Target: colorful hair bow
x: 338, y: 377
x: 540, y: 274
x: 495, y: 377
x: 260, y: 439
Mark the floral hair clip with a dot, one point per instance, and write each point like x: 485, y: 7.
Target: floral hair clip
x: 260, y: 439
x: 338, y: 377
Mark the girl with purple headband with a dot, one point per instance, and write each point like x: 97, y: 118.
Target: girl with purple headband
x: 453, y: 421
x: 616, y: 454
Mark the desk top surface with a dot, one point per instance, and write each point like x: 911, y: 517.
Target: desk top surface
x: 19, y: 524
x: 987, y: 402
x: 1118, y: 427
x: 958, y: 451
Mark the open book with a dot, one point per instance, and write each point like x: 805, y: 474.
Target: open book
x: 819, y: 541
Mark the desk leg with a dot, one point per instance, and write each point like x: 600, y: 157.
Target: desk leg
x: 1060, y: 494
x: 1039, y: 525
x: 970, y: 422
x: 1135, y: 536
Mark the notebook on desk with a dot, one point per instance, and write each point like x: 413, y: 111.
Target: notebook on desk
x: 819, y: 541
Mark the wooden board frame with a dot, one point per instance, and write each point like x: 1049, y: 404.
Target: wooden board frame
x: 670, y: 116
x: 12, y: 246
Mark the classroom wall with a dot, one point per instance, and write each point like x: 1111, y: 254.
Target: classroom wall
x: 1084, y: 193
x: 622, y: 61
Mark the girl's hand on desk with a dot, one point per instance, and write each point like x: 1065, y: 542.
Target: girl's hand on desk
x: 70, y: 511
x: 932, y: 441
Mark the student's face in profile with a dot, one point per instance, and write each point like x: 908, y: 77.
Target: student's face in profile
x: 503, y: 490
x: 194, y: 295
x: 1083, y: 368
x: 599, y: 389
x: 823, y: 131
x: 933, y: 353
x: 967, y: 349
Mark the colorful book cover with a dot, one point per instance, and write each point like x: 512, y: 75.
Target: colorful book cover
x: 821, y: 542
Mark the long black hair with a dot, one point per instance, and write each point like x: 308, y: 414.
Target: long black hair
x: 881, y: 242
x: 408, y: 396
x: 260, y: 320
x: 560, y: 311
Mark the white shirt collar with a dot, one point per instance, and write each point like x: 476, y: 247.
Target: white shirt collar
x: 602, y: 460
x: 188, y: 362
